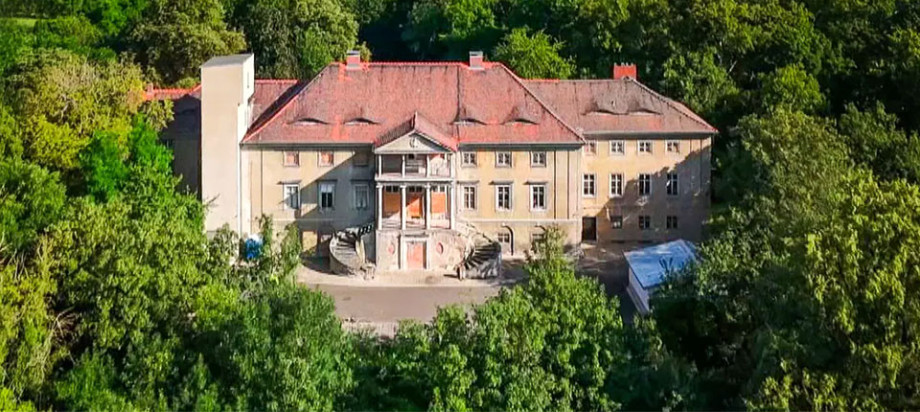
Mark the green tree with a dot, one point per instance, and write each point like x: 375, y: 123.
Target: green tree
x: 175, y: 37
x: 450, y: 29
x: 296, y: 38
x: 790, y: 88
x: 535, y: 56
x: 876, y: 143
x: 61, y: 99
x: 31, y: 199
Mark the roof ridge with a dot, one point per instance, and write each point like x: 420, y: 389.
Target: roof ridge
x: 547, y: 107
x: 671, y: 104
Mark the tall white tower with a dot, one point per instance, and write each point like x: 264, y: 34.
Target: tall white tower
x: 227, y: 84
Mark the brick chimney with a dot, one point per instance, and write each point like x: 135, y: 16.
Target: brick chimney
x: 353, y: 60
x: 476, y: 60
x: 625, y: 70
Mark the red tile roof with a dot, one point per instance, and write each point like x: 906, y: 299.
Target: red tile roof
x: 621, y: 106
x: 454, y: 104
x: 360, y: 106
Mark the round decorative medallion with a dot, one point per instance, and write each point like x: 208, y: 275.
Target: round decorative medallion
x: 439, y: 248
x: 391, y: 249
x: 413, y: 142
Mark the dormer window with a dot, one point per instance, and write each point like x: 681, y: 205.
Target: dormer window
x: 468, y: 122
x: 360, y: 121
x: 309, y: 121
x: 521, y: 120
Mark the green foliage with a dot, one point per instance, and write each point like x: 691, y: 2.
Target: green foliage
x: 175, y: 37
x: 876, y: 143
x: 535, y: 56
x: 61, y: 99
x: 279, y: 350
x: 296, y: 38
x: 791, y: 88
x: 31, y: 199
x: 74, y: 33
x: 451, y: 28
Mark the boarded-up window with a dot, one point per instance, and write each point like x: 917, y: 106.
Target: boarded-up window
x: 292, y: 158
x: 326, y: 158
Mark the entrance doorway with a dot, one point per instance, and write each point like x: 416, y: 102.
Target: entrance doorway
x: 588, y: 229
x: 415, y: 255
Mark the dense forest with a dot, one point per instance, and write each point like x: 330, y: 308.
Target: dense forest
x: 806, y: 296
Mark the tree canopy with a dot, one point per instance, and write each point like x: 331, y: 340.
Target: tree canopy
x: 804, y: 295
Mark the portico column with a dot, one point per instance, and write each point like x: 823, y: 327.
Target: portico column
x: 379, y: 205
x: 427, y: 206
x: 379, y: 165
x: 403, y: 166
x: 402, y: 207
x: 453, y: 205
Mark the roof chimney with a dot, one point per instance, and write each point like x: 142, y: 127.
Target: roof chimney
x: 625, y: 70
x: 353, y: 60
x: 476, y: 60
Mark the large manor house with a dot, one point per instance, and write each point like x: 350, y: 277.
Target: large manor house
x: 440, y: 166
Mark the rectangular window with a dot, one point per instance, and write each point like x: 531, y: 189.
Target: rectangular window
x: 503, y: 197
x: 672, y: 146
x: 645, y: 222
x: 361, y: 196
x: 292, y: 159
x: 326, y: 196
x: 469, y: 197
x: 588, y: 186
x: 391, y: 189
x: 538, y: 197
x: 468, y: 158
x: 291, y: 193
x: 616, y: 185
x: 537, y: 159
x: 361, y: 159
x: 616, y: 221
x: 504, y: 238
x: 617, y: 147
x: 672, y: 222
x: 326, y: 159
x: 590, y: 148
x: 645, y: 146
x: 503, y: 159
x: 672, y: 185
x: 645, y: 184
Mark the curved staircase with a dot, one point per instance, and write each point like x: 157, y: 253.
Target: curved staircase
x: 484, y: 259
x: 347, y: 252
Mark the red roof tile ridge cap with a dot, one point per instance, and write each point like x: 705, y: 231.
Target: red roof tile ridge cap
x: 152, y: 92
x: 672, y: 105
x: 541, y: 102
x: 276, y: 81
x: 285, y: 106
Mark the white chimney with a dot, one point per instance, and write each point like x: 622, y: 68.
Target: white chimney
x: 476, y: 60
x: 227, y: 84
x: 353, y: 60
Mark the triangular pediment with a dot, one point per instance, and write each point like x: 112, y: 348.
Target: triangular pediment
x: 412, y: 142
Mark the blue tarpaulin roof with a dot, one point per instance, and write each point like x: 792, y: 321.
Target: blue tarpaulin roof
x: 652, y: 263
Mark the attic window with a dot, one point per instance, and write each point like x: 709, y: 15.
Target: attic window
x: 521, y: 120
x: 468, y: 121
x: 360, y: 121
x: 642, y: 111
x: 309, y: 121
